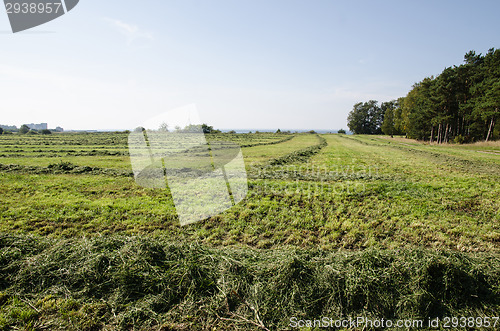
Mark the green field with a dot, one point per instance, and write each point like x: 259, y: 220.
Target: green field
x: 333, y: 225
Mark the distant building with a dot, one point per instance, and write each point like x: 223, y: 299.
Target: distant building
x: 41, y: 126
x: 59, y: 129
x: 8, y: 127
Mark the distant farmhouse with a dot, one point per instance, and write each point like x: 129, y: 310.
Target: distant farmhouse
x: 38, y: 127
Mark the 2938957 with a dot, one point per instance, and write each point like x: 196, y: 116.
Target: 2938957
x: 33, y: 8
x: 471, y: 322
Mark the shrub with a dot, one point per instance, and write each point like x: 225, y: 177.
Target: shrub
x: 24, y: 129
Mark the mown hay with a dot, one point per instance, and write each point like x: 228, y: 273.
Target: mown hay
x: 152, y: 283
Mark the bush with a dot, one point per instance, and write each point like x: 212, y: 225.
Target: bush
x: 24, y: 129
x: 341, y: 131
x: 459, y: 139
x: 46, y: 131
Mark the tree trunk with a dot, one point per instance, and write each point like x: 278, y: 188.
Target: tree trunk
x: 492, y: 125
x: 432, y: 133
x: 439, y: 134
x: 446, y: 132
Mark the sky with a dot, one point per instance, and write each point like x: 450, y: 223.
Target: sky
x: 246, y: 64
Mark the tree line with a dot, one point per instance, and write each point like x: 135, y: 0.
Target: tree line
x: 460, y: 104
x: 23, y: 130
x: 191, y: 128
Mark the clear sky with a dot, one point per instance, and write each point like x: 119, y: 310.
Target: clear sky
x: 246, y: 64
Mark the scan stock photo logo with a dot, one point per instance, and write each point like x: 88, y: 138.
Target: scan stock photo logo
x: 205, y: 176
x: 26, y: 14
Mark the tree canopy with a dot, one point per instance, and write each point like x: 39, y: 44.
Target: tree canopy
x: 24, y: 129
x: 462, y: 103
x: 366, y: 118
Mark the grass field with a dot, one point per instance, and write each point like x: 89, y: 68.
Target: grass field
x: 333, y: 225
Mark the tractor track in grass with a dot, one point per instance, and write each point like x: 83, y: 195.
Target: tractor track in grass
x: 273, y: 169
x: 457, y: 163
x: 300, y: 156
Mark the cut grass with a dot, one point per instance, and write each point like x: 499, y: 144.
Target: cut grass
x: 349, y: 194
x: 345, y: 214
x: 466, y: 152
x: 258, y: 155
x: 143, y: 283
x: 82, y: 246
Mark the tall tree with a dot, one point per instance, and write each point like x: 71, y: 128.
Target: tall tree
x: 391, y: 116
x: 366, y: 118
x: 419, y: 108
x: 488, y: 105
x: 24, y: 129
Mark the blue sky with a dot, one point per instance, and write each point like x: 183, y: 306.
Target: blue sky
x: 245, y: 64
